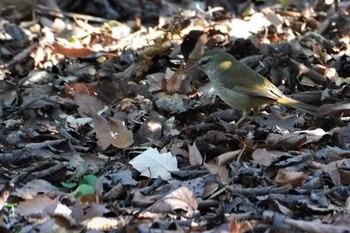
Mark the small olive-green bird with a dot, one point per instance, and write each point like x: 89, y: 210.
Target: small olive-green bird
x: 241, y: 87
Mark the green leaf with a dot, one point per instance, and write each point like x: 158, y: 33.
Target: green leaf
x: 10, y: 205
x: 284, y: 4
x: 88, y: 180
x: 85, y: 189
x: 69, y: 185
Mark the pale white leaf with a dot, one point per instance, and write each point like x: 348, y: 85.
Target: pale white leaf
x: 152, y: 164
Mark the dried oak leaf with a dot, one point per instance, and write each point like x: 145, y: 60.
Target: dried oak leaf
x: 111, y: 132
x: 180, y: 199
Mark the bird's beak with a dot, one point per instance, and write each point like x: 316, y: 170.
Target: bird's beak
x: 195, y: 66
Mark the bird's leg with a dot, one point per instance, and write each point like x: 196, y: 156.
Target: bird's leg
x: 244, y: 115
x: 256, y: 110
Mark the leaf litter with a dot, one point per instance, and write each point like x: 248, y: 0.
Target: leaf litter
x: 104, y: 127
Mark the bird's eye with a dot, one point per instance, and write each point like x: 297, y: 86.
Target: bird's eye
x: 204, y: 62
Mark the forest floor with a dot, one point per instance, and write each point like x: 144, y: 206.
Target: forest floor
x: 104, y: 128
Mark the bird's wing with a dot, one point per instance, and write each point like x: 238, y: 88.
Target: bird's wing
x: 249, y: 81
x: 257, y: 91
x: 262, y: 87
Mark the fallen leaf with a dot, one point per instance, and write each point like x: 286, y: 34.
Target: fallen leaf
x: 221, y: 171
x: 264, y: 157
x: 103, y: 223
x: 152, y: 164
x: 34, y: 206
x: 195, y: 156
x: 285, y: 176
x: 316, y: 226
x: 241, y: 227
x: 70, y: 51
x: 111, y: 132
x: 88, y: 104
x: 180, y: 199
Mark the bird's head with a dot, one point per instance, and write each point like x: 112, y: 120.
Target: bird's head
x: 213, y: 62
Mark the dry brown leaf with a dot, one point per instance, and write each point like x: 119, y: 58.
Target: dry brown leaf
x: 150, y: 130
x: 64, y: 220
x: 8, y: 92
x: 34, y: 206
x: 241, y: 227
x: 335, y: 110
x: 72, y: 52
x: 283, y: 122
x: 140, y: 199
x: 95, y: 210
x: 285, y: 177
x: 116, y: 192
x: 179, y: 151
x: 174, y: 82
x: 90, y: 199
x: 31, y: 111
x: 195, y: 156
x: 113, y: 90
x: 316, y: 226
x: 88, y: 104
x: 79, y: 89
x: 4, y: 194
x: 333, y: 169
x: 296, y: 138
x: 33, y: 188
x: 209, y: 189
x: 182, y: 198
x: 154, y: 81
x: 111, y: 132
x: 284, y: 210
x: 221, y: 171
x: 103, y: 223
x: 227, y: 157
x: 264, y: 157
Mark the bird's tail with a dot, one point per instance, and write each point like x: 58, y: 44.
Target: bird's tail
x: 297, y: 105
